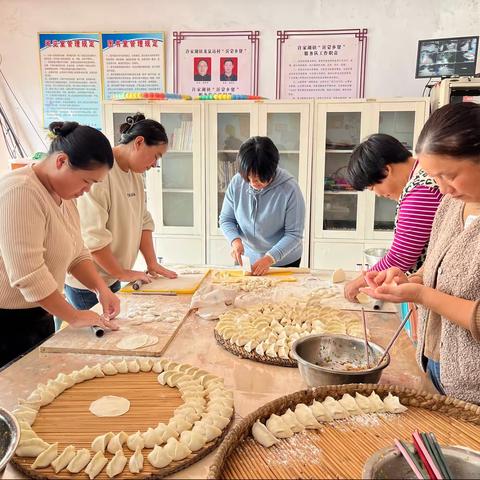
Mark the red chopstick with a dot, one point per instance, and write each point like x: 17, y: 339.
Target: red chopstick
x: 427, y: 460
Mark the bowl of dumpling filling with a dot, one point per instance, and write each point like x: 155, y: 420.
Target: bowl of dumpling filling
x: 328, y: 359
x: 9, y: 437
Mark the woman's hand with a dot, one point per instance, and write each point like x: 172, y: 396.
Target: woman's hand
x: 156, y: 269
x: 110, y: 303
x: 88, y: 318
x: 261, y: 266
x: 237, y: 250
x: 133, y: 276
x: 405, y: 292
x: 392, y: 275
x: 352, y: 288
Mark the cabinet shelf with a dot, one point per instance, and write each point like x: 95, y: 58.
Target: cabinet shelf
x: 181, y: 152
x: 341, y: 192
x: 334, y: 150
x: 176, y: 190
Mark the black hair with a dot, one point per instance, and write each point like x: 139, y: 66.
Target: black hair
x: 452, y: 130
x: 258, y: 156
x: 228, y: 60
x: 368, y: 163
x: 138, y: 126
x: 86, y: 147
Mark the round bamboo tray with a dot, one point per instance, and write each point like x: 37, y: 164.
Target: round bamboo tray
x: 340, y: 448
x: 242, y: 353
x: 67, y: 420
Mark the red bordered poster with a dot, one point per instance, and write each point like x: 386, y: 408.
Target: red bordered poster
x: 215, y: 62
x: 321, y: 63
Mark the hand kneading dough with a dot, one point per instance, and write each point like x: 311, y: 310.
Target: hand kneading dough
x: 110, y: 406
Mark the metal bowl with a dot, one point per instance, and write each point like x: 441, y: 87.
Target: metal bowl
x: 319, y: 356
x: 389, y: 463
x: 373, y: 255
x: 9, y: 437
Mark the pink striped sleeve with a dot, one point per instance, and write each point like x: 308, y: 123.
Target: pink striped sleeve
x: 414, y: 224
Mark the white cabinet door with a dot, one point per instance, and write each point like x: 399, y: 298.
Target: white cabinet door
x: 332, y: 255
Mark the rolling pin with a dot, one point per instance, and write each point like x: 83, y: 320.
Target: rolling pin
x: 378, y: 305
x: 98, y: 331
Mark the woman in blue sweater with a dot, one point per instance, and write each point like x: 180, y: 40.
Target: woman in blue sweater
x: 263, y: 213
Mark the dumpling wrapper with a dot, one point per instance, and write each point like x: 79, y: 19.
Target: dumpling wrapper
x: 63, y: 459
x: 96, y: 465
x: 306, y: 417
x: 278, y: 427
x: 116, y: 464
x: 392, y: 404
x: 262, y: 435
x: 110, y: 406
x: 334, y: 409
x: 350, y: 405
x: 46, y: 457
x: 135, y: 464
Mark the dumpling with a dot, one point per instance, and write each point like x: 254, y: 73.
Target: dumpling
x: 100, y: 443
x: 87, y: 373
x: 376, y: 403
x: 97, y: 370
x: 121, y: 367
x: 96, y: 465
x: 271, y: 351
x: 172, y: 378
x: 363, y: 403
x: 262, y: 435
x: 133, y: 366
x: 135, y: 464
x: 31, y: 447
x: 305, y: 416
x: 210, y: 432
x: 260, y: 349
x: 392, y: 404
x: 164, y: 432
x: 350, y: 405
x: 158, y: 457
x: 292, y: 421
x: 161, y: 378
x: 57, y: 387
x: 63, y: 459
x: 27, y: 434
x: 116, y: 442
x: 46, y: 457
x: 320, y: 412
x: 135, y: 441
x: 157, y: 368
x: 219, y: 409
x: 193, y: 440
x: 217, y: 420
x: 66, y: 379
x: 79, y: 461
x: 278, y: 427
x: 183, y: 367
x: 109, y: 369
x: 116, y: 464
x: 150, y: 438
x: 145, y: 364
x: 176, y: 450
x: 334, y: 409
x: 205, y: 379
x: 179, y: 424
x: 25, y: 414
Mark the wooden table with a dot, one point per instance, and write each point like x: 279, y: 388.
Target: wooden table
x: 253, y: 383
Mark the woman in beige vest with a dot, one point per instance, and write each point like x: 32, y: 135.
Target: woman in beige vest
x: 116, y: 224
x: 448, y: 286
x: 40, y: 240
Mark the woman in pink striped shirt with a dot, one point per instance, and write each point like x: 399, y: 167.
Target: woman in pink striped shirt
x: 382, y: 164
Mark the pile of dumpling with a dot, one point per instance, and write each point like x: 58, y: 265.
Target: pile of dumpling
x: 147, y: 312
x: 205, y: 413
x: 310, y: 416
x: 271, y: 328
x: 247, y: 283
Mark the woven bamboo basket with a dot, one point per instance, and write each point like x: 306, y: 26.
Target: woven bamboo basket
x: 341, y: 448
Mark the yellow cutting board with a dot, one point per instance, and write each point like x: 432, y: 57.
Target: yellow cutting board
x: 183, y: 284
x: 274, y: 272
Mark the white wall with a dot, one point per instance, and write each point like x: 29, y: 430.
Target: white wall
x: 394, y: 28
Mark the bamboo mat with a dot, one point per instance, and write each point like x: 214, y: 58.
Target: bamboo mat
x: 341, y: 448
x: 83, y: 340
x: 67, y: 420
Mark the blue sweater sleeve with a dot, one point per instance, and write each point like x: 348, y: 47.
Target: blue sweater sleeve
x: 228, y: 222
x: 294, y: 225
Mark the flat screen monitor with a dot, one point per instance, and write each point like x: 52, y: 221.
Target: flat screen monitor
x: 446, y: 57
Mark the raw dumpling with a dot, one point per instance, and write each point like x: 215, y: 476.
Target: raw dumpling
x: 338, y: 276
x: 145, y: 364
x: 334, y: 409
x: 135, y: 464
x: 262, y: 435
x: 135, y: 441
x: 79, y: 461
x: 219, y: 409
x: 96, y: 465
x: 179, y: 424
x: 392, y: 404
x: 65, y: 379
x: 278, y: 427
x: 350, y: 405
x: 25, y: 414
x: 217, y: 420
x: 176, y: 450
x: 193, y: 440
x: 87, y: 373
x: 100, y: 443
x: 158, y: 457
x: 116, y: 442
x: 363, y: 403
x: 109, y: 369
x: 97, y: 370
x: 63, y: 459
x: 172, y: 378
x: 31, y: 447
x: 320, y: 412
x: 133, y: 366
x: 121, y: 367
x: 292, y: 421
x: 157, y: 367
x: 46, y: 457
x: 116, y: 464
x: 305, y: 416
x: 164, y: 432
x: 150, y: 438
x: 376, y: 403
x: 210, y: 432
